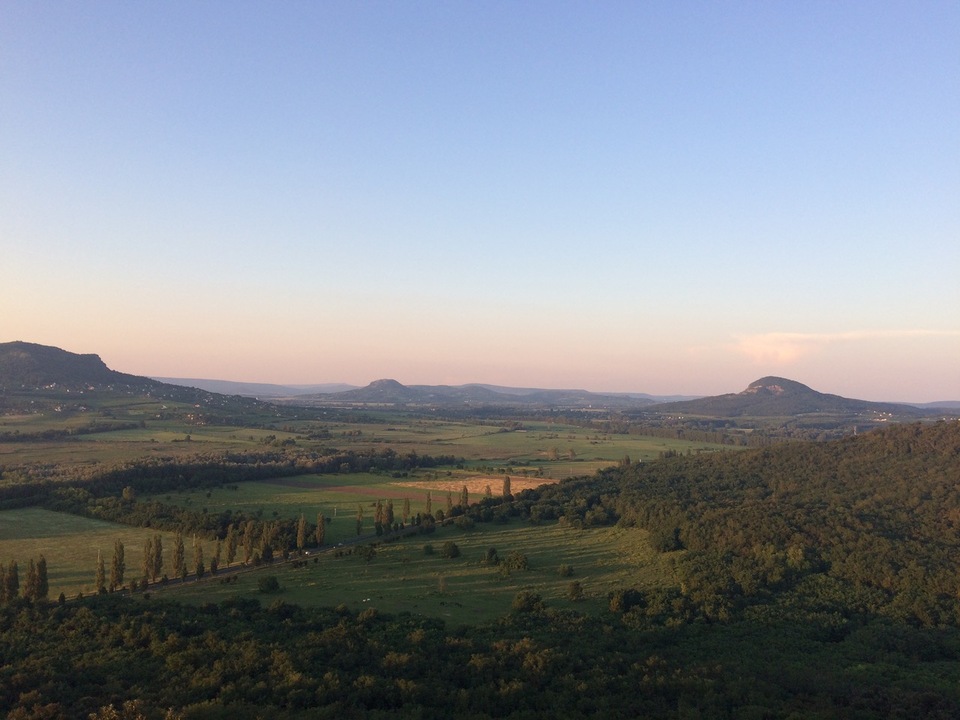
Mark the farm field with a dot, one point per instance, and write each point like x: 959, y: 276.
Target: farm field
x: 530, y: 453
x: 554, y: 449
x: 401, y: 577
x: 70, y: 545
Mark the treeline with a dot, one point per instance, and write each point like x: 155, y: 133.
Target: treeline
x: 35, y: 485
x: 61, y: 433
x: 876, y: 517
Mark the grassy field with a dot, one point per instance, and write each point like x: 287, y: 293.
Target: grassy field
x: 403, y: 578
x: 531, y: 454
x: 551, y: 449
x: 70, y: 545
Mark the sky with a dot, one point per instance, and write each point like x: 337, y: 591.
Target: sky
x: 664, y: 196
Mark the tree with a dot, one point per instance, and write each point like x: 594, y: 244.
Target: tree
x: 487, y: 492
x: 231, y: 543
x: 406, y: 509
x: 198, y: 566
x: 13, y: 580
x: 449, y: 502
x: 527, y: 601
x: 301, y: 533
x: 359, y: 519
x: 130, y: 710
x: 506, y: 487
x: 156, y: 570
x: 215, y: 560
x: 268, y: 584
x: 321, y: 529
x: 266, y: 541
x: 100, y: 579
x: 429, y: 505
x: 43, y: 585
x: 179, y: 561
x: 30, y: 584
x: 146, y: 565
x: 248, y: 539
x: 117, y: 567
x: 388, y: 514
x: 464, y: 497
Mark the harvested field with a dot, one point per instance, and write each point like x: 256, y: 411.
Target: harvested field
x: 477, y: 485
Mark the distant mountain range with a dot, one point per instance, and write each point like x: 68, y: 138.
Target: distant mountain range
x: 391, y: 392
x: 257, y: 390
x: 28, y: 365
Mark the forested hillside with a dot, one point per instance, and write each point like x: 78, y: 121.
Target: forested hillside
x: 877, y: 516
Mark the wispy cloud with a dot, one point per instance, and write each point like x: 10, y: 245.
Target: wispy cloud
x: 784, y: 348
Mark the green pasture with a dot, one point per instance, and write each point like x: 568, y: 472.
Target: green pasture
x: 401, y: 577
x: 70, y: 545
x: 338, y: 497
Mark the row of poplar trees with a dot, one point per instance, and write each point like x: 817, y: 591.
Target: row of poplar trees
x: 35, y: 585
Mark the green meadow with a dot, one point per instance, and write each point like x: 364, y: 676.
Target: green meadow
x: 402, y: 577
x: 70, y: 545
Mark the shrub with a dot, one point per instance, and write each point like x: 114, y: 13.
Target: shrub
x: 516, y: 561
x: 268, y: 584
x: 527, y: 601
x: 450, y: 550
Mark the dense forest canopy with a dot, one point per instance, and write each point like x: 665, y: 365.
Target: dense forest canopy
x: 879, y: 512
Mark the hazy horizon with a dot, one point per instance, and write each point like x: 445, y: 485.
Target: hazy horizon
x: 663, y: 198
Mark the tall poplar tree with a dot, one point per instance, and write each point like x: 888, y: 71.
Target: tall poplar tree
x: 506, y: 486
x: 100, y: 579
x: 117, y: 567
x: 321, y: 529
x: 146, y: 563
x: 266, y: 541
x: 231, y: 543
x: 43, y: 584
x: 198, y: 566
x: 249, y: 531
x: 301, y: 533
x: 179, y: 561
x: 30, y: 584
x: 156, y: 570
x: 406, y: 510
x: 464, y: 497
x: 13, y: 581
x: 429, y: 506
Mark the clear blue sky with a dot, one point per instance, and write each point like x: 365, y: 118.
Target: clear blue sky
x: 664, y: 197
